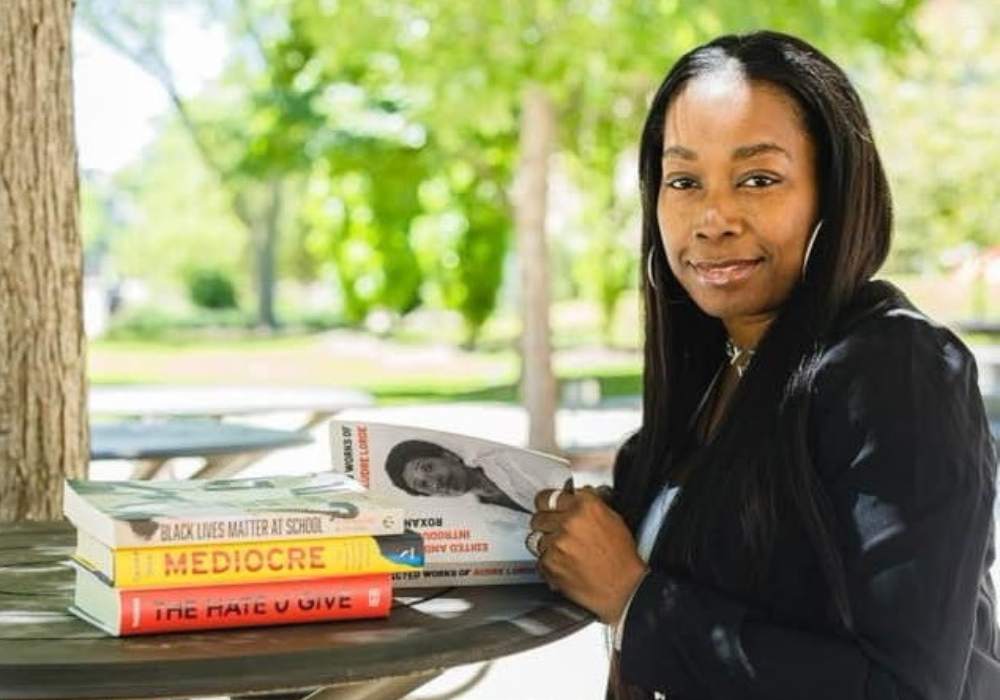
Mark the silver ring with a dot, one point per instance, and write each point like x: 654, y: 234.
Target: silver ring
x: 553, y: 502
x: 532, y: 541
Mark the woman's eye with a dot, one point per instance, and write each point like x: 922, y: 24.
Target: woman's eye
x: 759, y: 180
x: 680, y: 183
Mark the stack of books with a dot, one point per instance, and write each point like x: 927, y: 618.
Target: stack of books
x: 166, y: 556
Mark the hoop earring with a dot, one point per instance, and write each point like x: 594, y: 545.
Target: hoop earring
x: 809, y: 246
x: 649, y: 270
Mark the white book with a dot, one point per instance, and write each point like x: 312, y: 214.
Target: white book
x: 471, y: 499
x: 150, y: 513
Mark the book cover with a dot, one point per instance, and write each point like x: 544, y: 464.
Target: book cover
x: 470, y: 498
x: 126, y: 612
x: 190, y: 511
x: 243, y: 562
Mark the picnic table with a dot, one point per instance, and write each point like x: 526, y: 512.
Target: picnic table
x: 227, y: 401
x: 152, y: 445
x: 162, y: 422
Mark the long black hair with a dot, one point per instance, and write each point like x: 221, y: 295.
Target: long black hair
x: 763, y: 446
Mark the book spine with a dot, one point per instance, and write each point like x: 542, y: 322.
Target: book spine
x: 496, y: 573
x: 249, y: 528
x: 150, y: 611
x: 342, y: 514
x: 212, y: 564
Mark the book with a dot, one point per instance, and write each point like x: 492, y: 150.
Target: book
x: 143, y: 513
x: 212, y: 563
x: 126, y: 612
x: 469, y: 573
x: 471, y: 499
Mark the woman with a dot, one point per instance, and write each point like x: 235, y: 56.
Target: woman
x: 806, y: 510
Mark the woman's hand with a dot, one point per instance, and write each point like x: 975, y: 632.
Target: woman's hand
x: 586, y: 551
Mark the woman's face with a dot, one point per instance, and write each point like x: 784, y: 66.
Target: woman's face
x: 738, y: 198
x: 440, y: 475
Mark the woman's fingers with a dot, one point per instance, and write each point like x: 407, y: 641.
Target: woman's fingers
x: 587, y: 552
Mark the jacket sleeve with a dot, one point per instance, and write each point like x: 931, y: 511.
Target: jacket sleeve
x: 900, y: 440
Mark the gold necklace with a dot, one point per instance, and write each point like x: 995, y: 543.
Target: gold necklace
x: 739, y: 357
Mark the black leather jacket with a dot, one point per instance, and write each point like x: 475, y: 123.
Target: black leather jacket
x: 902, y: 448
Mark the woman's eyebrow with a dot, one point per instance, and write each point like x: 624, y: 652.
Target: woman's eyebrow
x: 756, y: 149
x: 679, y: 152
x: 739, y: 153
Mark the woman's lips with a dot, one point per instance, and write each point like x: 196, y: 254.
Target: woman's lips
x: 724, y: 272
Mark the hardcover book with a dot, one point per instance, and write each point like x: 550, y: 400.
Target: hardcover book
x: 191, y: 511
x: 127, y: 612
x: 243, y: 562
x: 470, y: 498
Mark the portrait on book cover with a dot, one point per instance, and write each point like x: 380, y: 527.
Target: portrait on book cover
x: 495, y: 476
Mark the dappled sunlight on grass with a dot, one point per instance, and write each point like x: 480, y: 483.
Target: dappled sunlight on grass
x: 336, y: 359
x: 421, y: 361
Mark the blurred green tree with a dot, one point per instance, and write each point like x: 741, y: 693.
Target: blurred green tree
x: 385, y: 205
x: 554, y: 76
x: 362, y: 201
x: 174, y: 217
x: 499, y: 90
x: 241, y: 137
x: 935, y: 113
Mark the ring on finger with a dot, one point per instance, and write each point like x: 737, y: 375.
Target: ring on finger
x: 532, y: 541
x: 553, y: 502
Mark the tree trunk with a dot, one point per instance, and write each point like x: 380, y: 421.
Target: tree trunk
x: 538, y: 384
x: 265, y: 243
x: 43, y: 414
x: 263, y: 223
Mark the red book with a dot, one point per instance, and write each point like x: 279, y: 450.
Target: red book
x: 126, y: 612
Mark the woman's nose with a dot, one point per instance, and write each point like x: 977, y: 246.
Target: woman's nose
x: 717, y: 218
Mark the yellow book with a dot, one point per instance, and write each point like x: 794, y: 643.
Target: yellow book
x: 243, y: 562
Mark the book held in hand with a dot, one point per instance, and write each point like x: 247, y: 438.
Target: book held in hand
x: 242, y: 562
x: 142, y: 513
x: 471, y: 499
x: 126, y: 612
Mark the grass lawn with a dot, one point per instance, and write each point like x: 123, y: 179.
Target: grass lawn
x: 422, y: 360
x: 420, y: 363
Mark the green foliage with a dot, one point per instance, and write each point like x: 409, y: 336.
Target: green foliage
x: 463, y: 238
x: 238, y: 135
x: 359, y: 216
x: 211, y: 289
x: 935, y: 112
x: 379, y: 207
x: 175, y: 218
x: 153, y: 325
x: 459, y: 69
x: 384, y: 135
x: 480, y: 272
x: 95, y: 221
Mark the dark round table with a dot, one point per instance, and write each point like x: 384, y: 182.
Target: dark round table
x: 45, y: 652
